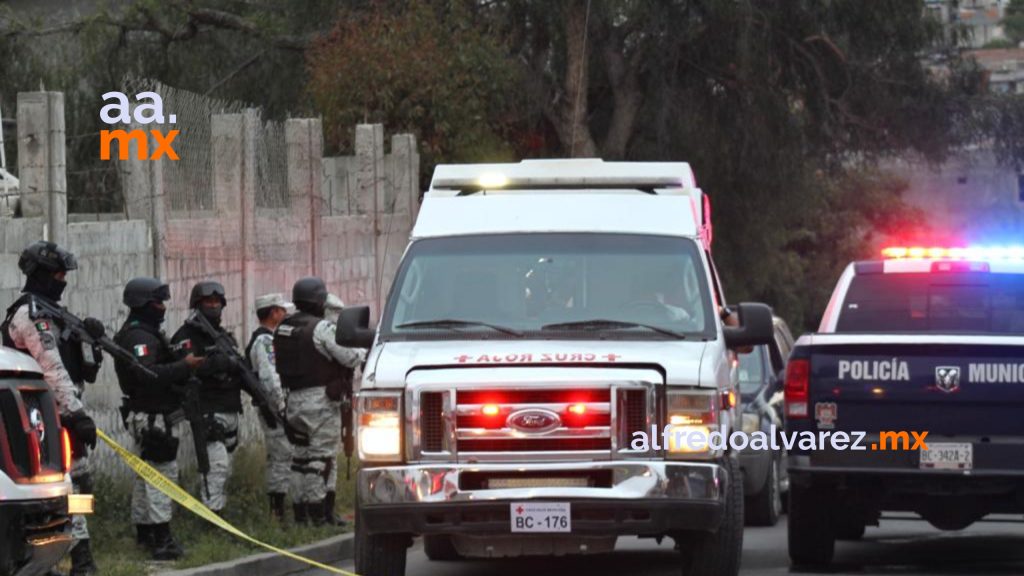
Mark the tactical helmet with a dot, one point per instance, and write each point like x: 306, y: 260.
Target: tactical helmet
x: 142, y: 290
x: 310, y: 291
x: 205, y: 289
x: 47, y: 256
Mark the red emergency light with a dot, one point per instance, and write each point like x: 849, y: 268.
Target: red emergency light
x: 954, y: 253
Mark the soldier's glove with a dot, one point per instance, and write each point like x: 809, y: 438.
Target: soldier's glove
x: 267, y: 413
x: 94, y: 328
x: 83, y: 432
x: 215, y: 364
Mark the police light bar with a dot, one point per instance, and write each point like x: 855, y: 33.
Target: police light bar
x: 954, y: 253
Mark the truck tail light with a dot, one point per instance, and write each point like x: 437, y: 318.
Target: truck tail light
x: 65, y: 449
x: 798, y: 377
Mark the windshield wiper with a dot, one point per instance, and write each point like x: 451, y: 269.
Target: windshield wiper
x: 455, y: 323
x: 604, y: 324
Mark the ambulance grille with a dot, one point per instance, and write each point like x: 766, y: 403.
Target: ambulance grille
x: 432, y: 421
x: 533, y: 420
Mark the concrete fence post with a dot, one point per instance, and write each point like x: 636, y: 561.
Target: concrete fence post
x: 370, y: 194
x: 250, y: 132
x: 304, y: 142
x: 42, y: 161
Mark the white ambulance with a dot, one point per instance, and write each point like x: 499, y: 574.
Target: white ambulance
x: 549, y: 322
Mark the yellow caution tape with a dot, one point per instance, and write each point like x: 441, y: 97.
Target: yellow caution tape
x: 176, y: 493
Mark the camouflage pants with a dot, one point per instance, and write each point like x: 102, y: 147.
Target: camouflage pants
x: 81, y: 483
x: 222, y: 439
x: 149, y: 505
x: 311, y: 411
x: 279, y: 459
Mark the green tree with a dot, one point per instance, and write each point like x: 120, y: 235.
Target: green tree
x: 419, y: 67
x: 781, y: 110
x: 1013, y: 21
x: 252, y: 51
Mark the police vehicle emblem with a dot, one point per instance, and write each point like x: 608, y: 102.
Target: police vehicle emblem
x: 947, y: 378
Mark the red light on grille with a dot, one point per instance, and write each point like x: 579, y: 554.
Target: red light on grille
x: 578, y: 409
x: 490, y: 410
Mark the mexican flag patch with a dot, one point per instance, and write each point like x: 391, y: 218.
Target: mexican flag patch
x: 43, y: 326
x: 141, y: 350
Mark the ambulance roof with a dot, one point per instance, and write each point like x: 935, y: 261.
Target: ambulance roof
x: 577, y: 195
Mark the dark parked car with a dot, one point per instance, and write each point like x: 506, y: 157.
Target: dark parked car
x: 762, y: 374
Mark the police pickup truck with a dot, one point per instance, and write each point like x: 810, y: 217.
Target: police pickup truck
x: 35, y: 456
x: 919, y: 361
x: 545, y: 317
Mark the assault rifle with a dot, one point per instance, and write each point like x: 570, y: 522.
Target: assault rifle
x: 224, y: 344
x: 39, y: 308
x: 192, y: 410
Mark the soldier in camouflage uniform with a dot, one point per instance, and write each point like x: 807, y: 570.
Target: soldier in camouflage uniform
x: 147, y: 405
x: 221, y: 391
x: 271, y: 309
x: 67, y: 364
x: 317, y: 373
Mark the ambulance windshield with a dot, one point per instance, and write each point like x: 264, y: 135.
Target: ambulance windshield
x: 551, y: 286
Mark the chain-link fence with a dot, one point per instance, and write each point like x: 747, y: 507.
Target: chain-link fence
x: 188, y: 181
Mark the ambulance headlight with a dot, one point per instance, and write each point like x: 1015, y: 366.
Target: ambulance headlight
x: 380, y: 426
x: 692, y: 417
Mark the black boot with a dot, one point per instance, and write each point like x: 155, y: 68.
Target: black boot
x: 144, y: 535
x: 277, y: 505
x: 301, y: 511
x: 163, y: 546
x: 82, y: 563
x: 331, y: 517
x: 316, y: 512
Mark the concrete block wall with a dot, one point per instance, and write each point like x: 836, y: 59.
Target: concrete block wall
x: 347, y: 246
x: 15, y: 235
x: 347, y: 220
x: 109, y: 254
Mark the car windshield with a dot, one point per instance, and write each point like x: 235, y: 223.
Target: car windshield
x: 551, y: 285
x: 964, y: 302
x: 751, y: 370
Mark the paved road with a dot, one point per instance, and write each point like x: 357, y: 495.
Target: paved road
x: 907, y: 548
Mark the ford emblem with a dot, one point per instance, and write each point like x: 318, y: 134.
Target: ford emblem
x: 533, y: 421
x: 35, y: 420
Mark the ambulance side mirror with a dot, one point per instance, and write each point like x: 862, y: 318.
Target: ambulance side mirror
x: 755, y: 326
x: 354, y: 328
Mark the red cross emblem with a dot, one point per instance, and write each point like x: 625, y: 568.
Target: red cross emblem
x: 462, y: 359
x: 612, y: 357
x: 519, y: 510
